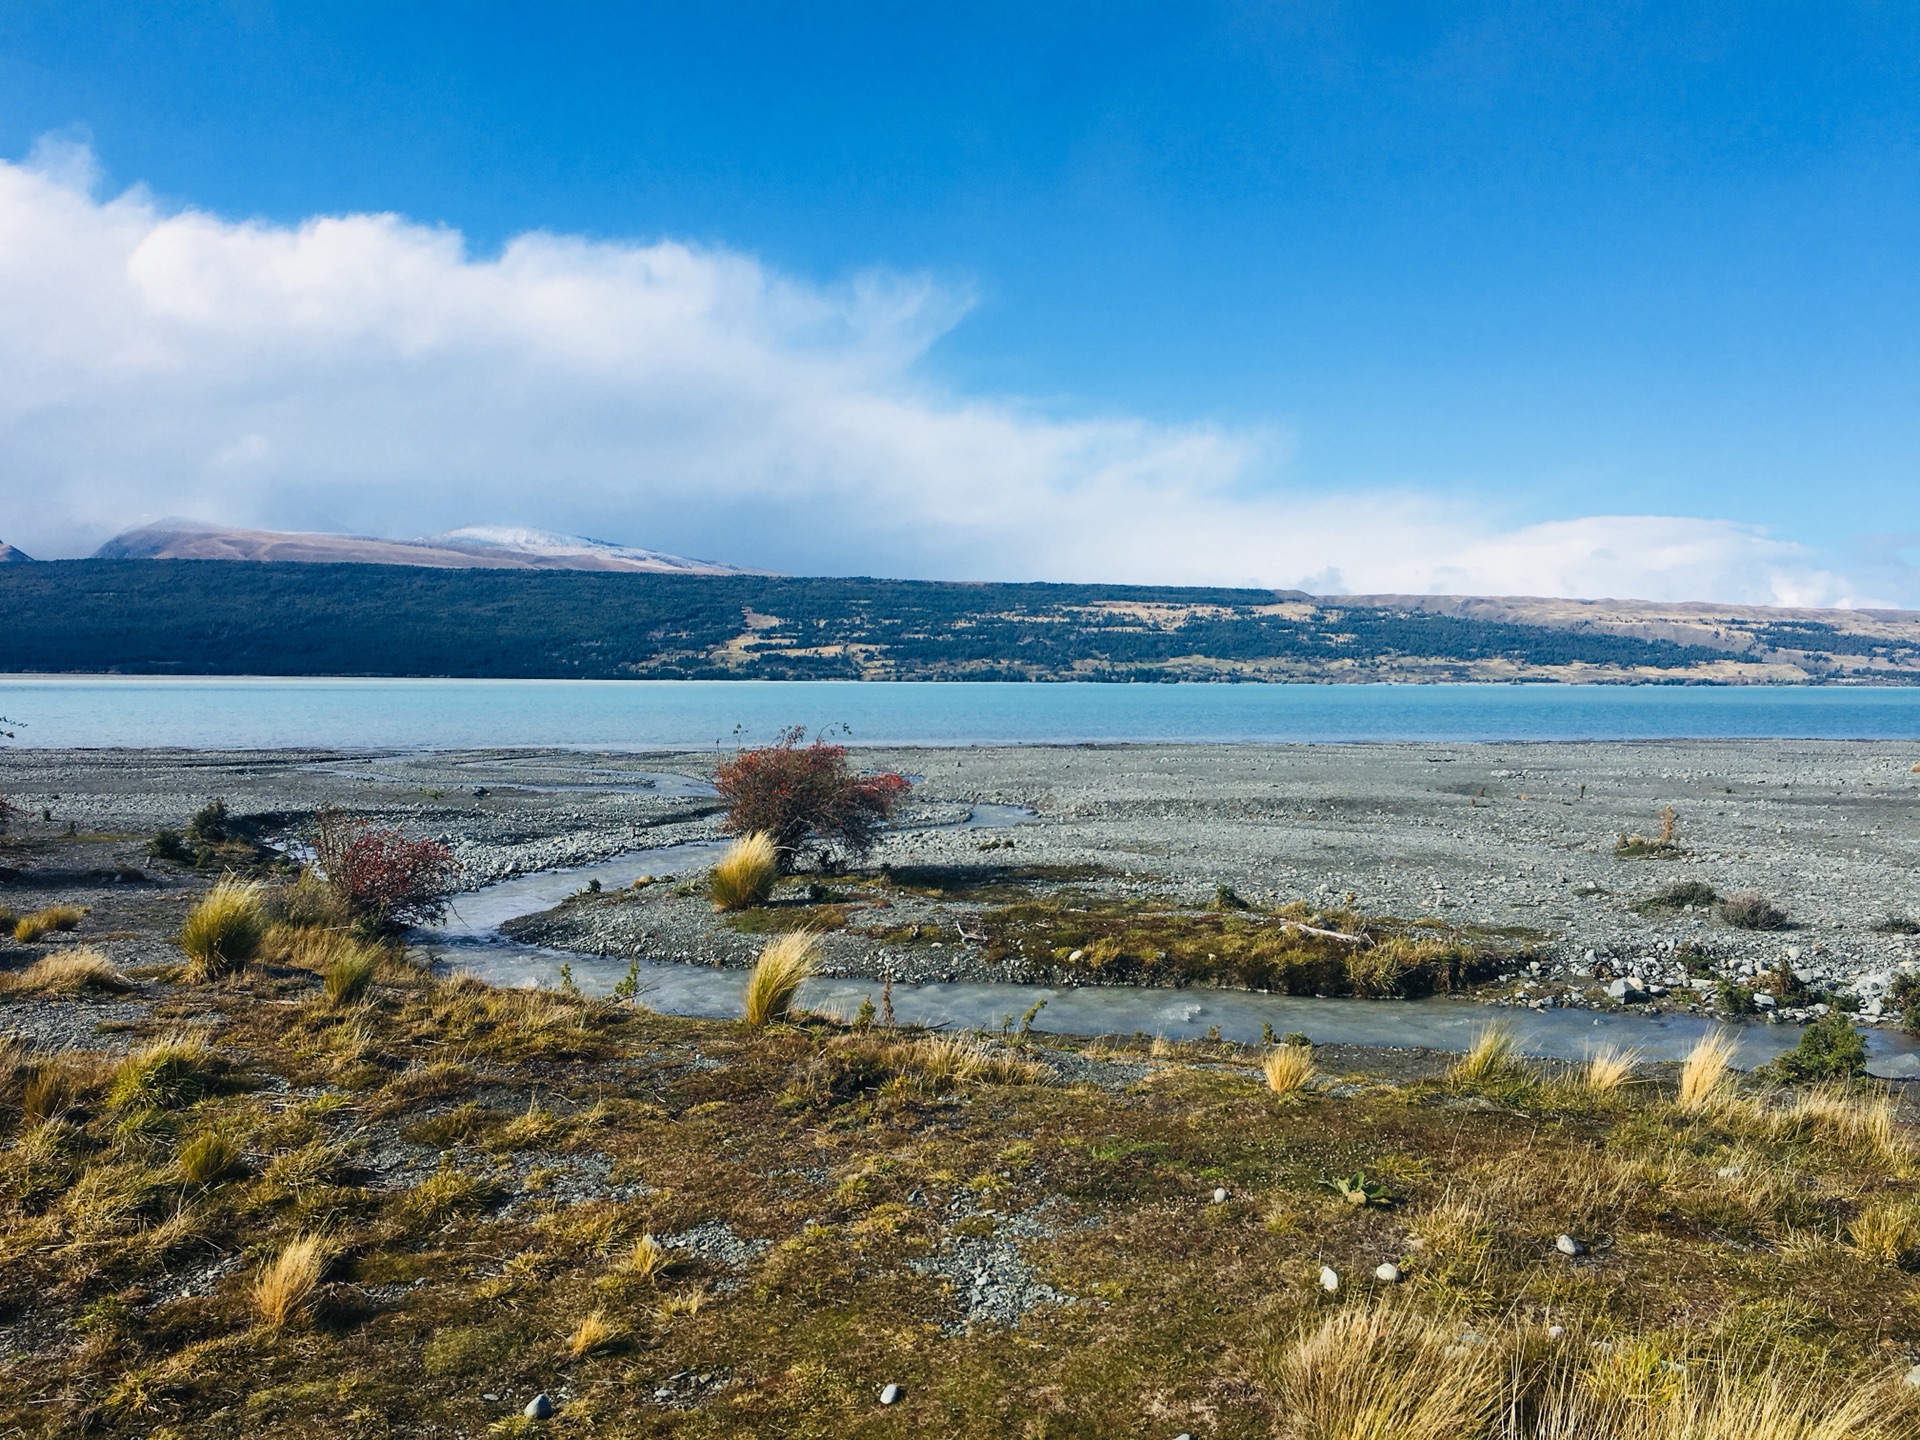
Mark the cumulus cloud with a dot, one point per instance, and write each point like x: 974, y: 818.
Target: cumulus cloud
x: 365, y: 373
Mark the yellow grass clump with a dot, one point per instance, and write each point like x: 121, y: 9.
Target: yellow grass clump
x: 1381, y: 1373
x: 285, y: 1288
x: 746, y: 873
x: 1608, y: 1068
x: 784, y: 964
x: 71, y: 972
x: 647, y: 1259
x: 208, y: 1158
x: 1833, y: 1113
x: 1705, y: 1074
x: 1887, y: 1231
x: 1492, y: 1058
x: 1289, y: 1069
x: 29, y: 928
x: 596, y: 1332
x: 166, y: 1075
x: 223, y: 932
x: 349, y: 973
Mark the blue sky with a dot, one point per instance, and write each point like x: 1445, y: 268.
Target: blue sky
x: 1475, y: 269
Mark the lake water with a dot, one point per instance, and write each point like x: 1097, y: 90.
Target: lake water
x: 222, y: 713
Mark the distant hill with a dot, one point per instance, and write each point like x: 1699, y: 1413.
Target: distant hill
x: 11, y: 556
x: 277, y: 618
x: 477, y: 547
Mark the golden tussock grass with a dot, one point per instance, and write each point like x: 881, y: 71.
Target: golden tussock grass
x: 29, y: 928
x: 208, y: 1158
x: 785, y: 963
x: 1706, y: 1074
x: 647, y: 1259
x: 1609, y: 1068
x: 746, y: 874
x: 224, y: 931
x: 595, y: 1332
x: 1383, y: 1373
x: 1887, y: 1231
x: 1847, y: 1119
x: 71, y: 972
x: 1289, y: 1069
x: 287, y: 1285
x: 349, y: 973
x: 1492, y: 1059
x: 164, y: 1076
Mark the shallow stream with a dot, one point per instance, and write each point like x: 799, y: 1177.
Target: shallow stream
x: 471, y: 940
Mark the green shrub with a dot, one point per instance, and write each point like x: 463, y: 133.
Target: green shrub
x: 1830, y: 1049
x: 1696, y: 893
x: 1904, y: 997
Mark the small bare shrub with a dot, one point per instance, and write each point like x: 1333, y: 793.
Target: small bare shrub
x: 383, y: 879
x: 793, y: 793
x: 1750, y: 910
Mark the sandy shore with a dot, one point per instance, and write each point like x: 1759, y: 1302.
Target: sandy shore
x: 1503, y: 835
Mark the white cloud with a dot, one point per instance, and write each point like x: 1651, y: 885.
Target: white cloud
x: 364, y: 373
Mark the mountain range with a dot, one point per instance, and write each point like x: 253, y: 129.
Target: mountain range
x: 475, y: 547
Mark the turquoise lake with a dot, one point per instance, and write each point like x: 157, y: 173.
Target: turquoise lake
x: 223, y: 713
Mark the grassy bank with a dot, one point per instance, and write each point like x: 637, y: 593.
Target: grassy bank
x: 407, y: 1207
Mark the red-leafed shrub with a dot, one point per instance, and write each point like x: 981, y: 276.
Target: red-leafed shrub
x: 383, y: 878
x: 798, y: 793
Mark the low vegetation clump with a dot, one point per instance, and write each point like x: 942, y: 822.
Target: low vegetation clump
x: 784, y: 965
x: 1663, y: 844
x: 54, y: 919
x: 797, y: 795
x: 217, y: 842
x: 379, y: 876
x: 1492, y: 1059
x: 1750, y: 910
x: 1706, y: 1073
x: 1293, y: 949
x: 1608, y: 1069
x: 746, y: 874
x: 349, y: 972
x: 288, y: 1284
x: 1685, y: 895
x: 1829, y: 1049
x: 224, y: 931
x: 1903, y: 998
x: 70, y: 972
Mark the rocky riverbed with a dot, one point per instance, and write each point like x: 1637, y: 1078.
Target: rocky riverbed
x: 1516, y: 840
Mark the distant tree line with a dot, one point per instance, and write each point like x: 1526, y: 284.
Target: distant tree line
x: 230, y: 618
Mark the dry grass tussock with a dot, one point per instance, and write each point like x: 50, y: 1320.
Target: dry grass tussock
x: 287, y: 1285
x: 1289, y: 1069
x: 1384, y: 1373
x: 1607, y: 1069
x: 1706, y: 1080
x: 224, y: 931
x: 1493, y: 1059
x: 785, y: 963
x: 595, y: 1332
x: 70, y: 972
x: 166, y: 1075
x: 1887, y: 1231
x: 647, y: 1259
x: 1849, y: 1119
x: 41, y: 923
x: 746, y: 874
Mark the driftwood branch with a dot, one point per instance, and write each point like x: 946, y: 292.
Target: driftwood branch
x: 1362, y: 940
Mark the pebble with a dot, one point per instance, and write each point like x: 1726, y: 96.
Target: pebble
x: 1220, y: 1197
x: 1329, y: 1279
x: 891, y: 1395
x: 1389, y: 1273
x: 1555, y: 1332
x: 540, y: 1407
x: 1567, y: 1245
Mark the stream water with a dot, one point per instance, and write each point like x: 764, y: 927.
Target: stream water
x: 470, y: 940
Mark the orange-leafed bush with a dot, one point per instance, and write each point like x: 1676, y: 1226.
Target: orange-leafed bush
x: 796, y: 794
x: 380, y: 876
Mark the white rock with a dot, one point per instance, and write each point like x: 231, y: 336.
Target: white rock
x: 539, y: 1407
x: 1556, y: 1332
x: 1329, y: 1279
x: 1567, y: 1245
x: 891, y: 1395
x: 1220, y: 1196
x: 1388, y: 1273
